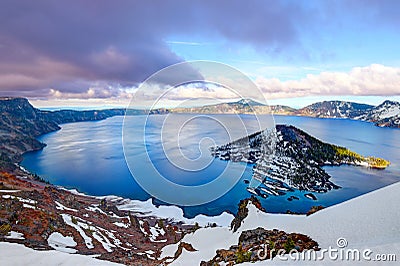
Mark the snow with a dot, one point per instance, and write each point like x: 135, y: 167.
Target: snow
x: 95, y: 209
x: 146, y: 208
x: 100, y: 234
x: 119, y: 224
x: 61, y: 243
x: 28, y: 206
x: 29, y: 201
x: 206, y: 241
x: 107, y: 245
x: 369, y: 221
x: 19, y: 255
x: 73, y: 191
x: 15, y: 235
x: 63, y: 208
x: 68, y: 220
x: 9, y: 190
x: 374, y: 214
x: 392, y: 111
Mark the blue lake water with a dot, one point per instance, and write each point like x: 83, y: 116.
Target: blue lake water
x: 89, y: 156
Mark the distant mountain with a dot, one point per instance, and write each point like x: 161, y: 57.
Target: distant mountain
x: 247, y: 102
x: 386, y: 114
x: 335, y: 109
x: 282, y: 110
x: 243, y: 106
x: 296, y: 162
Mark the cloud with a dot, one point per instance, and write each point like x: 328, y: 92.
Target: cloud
x: 63, y: 49
x: 186, y: 43
x: 207, y: 91
x: 372, y: 80
x: 69, y: 46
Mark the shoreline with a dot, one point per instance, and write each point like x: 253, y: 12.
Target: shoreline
x: 148, y: 207
x: 227, y: 211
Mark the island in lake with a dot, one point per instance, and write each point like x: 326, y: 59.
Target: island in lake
x: 286, y: 157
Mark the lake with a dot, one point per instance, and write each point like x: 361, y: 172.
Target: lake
x: 89, y: 156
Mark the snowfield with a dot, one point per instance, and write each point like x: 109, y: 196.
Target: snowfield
x: 19, y: 255
x: 370, y: 221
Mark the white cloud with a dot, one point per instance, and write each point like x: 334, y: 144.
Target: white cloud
x: 374, y: 80
x: 209, y: 92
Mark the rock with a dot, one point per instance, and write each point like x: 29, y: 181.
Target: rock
x: 254, y: 245
x: 314, y: 209
x: 243, y: 211
x: 183, y: 245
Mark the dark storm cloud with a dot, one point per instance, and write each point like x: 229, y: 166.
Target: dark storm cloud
x: 69, y: 45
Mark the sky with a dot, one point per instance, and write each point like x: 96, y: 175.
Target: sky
x: 98, y: 53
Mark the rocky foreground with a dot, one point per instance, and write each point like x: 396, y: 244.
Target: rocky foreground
x: 44, y: 217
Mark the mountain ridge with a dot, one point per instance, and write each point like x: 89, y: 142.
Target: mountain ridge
x: 386, y: 114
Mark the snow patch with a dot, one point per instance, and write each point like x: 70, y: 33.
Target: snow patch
x: 17, y: 254
x: 146, y: 208
x: 9, y: 191
x: 95, y: 209
x: 15, y: 235
x: 29, y: 201
x: 68, y: 220
x: 61, y: 243
x: 63, y: 208
x: 124, y: 225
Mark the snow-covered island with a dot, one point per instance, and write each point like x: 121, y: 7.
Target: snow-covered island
x: 287, y: 157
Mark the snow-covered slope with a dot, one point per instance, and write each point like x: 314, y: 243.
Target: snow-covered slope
x: 385, y: 114
x: 369, y: 221
x: 19, y: 255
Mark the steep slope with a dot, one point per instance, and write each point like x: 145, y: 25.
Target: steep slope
x: 43, y: 216
x: 21, y: 123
